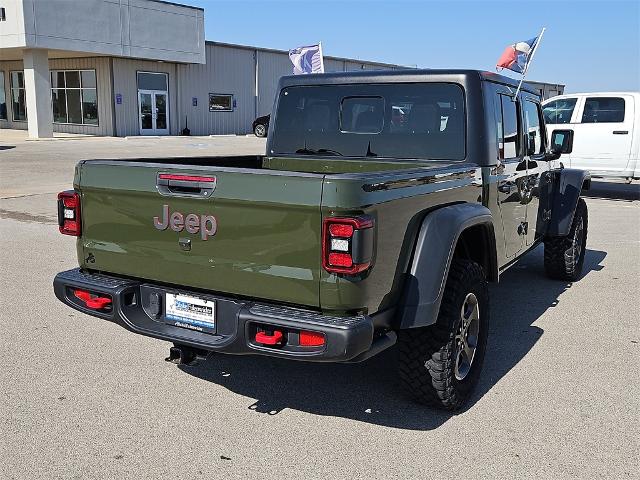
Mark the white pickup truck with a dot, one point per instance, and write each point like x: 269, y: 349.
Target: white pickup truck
x: 606, y: 131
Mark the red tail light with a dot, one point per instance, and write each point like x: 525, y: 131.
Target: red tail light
x: 347, y: 244
x: 69, y: 213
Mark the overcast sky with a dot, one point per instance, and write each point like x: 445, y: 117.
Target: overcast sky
x: 588, y: 45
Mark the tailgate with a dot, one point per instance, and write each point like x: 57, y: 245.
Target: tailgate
x: 254, y: 233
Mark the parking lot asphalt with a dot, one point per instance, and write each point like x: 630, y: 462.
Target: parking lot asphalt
x: 82, y: 398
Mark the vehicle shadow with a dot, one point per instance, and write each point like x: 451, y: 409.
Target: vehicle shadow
x: 369, y: 391
x: 613, y: 191
x: 6, y: 147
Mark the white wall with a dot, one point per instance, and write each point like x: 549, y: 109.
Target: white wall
x: 127, y: 28
x: 12, y: 31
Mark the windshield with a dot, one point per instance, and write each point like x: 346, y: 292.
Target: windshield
x: 422, y: 120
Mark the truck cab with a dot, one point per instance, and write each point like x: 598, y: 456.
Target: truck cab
x: 605, y: 126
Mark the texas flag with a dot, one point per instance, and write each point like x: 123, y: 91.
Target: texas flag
x: 516, y: 56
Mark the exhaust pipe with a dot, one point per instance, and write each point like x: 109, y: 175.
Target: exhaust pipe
x: 183, y: 355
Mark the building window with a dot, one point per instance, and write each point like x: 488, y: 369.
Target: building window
x: 152, y: 81
x: 3, y: 98
x: 74, y: 97
x: 18, y: 99
x: 219, y: 102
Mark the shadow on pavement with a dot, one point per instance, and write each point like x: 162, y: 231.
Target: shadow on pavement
x: 613, y: 191
x: 6, y: 147
x: 369, y: 392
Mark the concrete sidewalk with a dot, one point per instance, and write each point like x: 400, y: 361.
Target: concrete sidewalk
x: 30, y: 167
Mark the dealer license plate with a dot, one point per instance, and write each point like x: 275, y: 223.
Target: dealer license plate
x: 190, y: 312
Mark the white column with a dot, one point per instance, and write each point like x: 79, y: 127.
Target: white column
x: 37, y: 83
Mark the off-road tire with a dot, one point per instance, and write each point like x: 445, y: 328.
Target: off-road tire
x: 560, y: 261
x: 427, y: 356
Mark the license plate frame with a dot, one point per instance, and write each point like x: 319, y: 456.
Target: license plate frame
x: 190, y: 312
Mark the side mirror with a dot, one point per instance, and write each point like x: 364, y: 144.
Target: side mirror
x: 561, y: 142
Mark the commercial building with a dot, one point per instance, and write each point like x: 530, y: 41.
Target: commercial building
x: 546, y: 90
x: 131, y: 67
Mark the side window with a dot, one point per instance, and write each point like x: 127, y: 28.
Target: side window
x: 508, y: 131
x: 559, y: 111
x: 603, y: 110
x: 534, y: 141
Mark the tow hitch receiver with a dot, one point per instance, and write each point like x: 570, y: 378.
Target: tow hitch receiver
x: 92, y: 302
x: 182, y: 355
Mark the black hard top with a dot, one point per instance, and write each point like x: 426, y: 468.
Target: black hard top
x: 464, y: 77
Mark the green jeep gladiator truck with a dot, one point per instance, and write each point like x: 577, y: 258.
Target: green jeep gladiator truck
x: 385, y: 203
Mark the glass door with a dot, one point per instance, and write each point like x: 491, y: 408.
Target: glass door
x: 153, y: 112
x: 160, y: 103
x: 146, y: 113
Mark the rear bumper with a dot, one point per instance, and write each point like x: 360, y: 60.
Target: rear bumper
x: 135, y: 307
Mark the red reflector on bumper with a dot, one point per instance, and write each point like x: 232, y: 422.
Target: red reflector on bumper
x: 311, y: 339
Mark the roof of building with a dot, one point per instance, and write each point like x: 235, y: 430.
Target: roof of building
x: 166, y: 2
x: 273, y: 50
x: 554, y: 84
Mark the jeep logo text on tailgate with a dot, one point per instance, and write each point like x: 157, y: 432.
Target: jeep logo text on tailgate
x: 192, y: 223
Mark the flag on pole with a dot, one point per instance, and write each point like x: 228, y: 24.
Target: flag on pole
x: 517, y: 56
x: 307, y: 59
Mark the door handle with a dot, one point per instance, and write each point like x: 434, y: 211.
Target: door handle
x: 621, y: 132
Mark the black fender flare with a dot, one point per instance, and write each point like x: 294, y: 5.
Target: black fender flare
x: 426, y: 276
x: 566, y: 193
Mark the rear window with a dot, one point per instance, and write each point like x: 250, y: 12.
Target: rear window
x: 425, y: 121
x: 603, y: 110
x: 559, y: 111
x: 362, y: 115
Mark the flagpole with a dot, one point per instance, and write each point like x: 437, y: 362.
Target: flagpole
x: 321, y: 56
x: 529, y: 60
